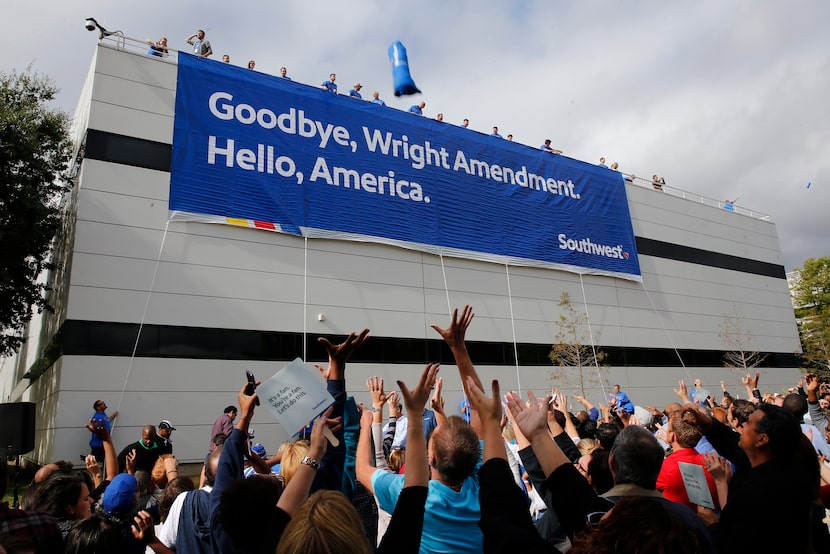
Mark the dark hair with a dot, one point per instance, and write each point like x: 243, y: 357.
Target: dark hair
x: 248, y: 510
x: 600, y: 472
x: 606, y: 435
x: 587, y: 429
x: 795, y: 404
x: 782, y: 429
x: 741, y: 410
x: 456, y: 450
x: 639, y: 524
x: 54, y: 495
x: 173, y: 489
x: 144, y: 484
x: 637, y: 457
x: 96, y: 404
x: 230, y: 409
x: 95, y: 535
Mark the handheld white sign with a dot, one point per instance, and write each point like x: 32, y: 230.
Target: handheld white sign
x: 696, y: 486
x: 295, y: 396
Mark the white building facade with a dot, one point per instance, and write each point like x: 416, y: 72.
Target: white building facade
x: 212, y: 301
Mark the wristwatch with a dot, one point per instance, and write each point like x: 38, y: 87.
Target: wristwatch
x: 309, y: 461
x: 375, y: 409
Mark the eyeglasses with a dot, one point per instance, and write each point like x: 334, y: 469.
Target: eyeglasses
x: 593, y: 519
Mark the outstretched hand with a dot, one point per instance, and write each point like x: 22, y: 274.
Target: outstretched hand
x: 97, y: 427
x: 416, y: 399
x: 375, y: 386
x: 317, y: 441
x: 143, y: 528
x: 682, y: 392
x: 339, y: 353
x: 247, y: 402
x: 693, y: 415
x: 455, y: 333
x: 489, y: 408
x: 437, y: 401
x: 531, y: 419
x: 718, y: 467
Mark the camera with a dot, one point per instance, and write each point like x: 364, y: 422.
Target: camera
x: 90, y: 24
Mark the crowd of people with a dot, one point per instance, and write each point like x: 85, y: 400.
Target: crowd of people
x: 201, y: 48
x: 552, y: 474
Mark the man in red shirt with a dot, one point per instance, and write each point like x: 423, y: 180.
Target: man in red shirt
x: 683, y: 438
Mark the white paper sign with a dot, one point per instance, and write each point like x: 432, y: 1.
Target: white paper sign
x: 295, y: 396
x: 696, y: 486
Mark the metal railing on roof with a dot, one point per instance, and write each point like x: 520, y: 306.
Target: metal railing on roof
x: 121, y: 42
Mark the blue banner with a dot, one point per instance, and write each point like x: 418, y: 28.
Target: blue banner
x: 297, y: 159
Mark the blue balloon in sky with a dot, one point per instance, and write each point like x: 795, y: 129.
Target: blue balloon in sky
x: 403, y: 82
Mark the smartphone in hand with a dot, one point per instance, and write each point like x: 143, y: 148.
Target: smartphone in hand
x: 250, y: 388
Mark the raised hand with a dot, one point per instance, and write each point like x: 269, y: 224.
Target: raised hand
x: 375, y: 386
x: 531, y: 419
x: 812, y: 386
x: 97, y: 426
x: 455, y: 333
x: 143, y: 528
x: 93, y: 468
x: 247, y: 402
x: 489, y: 408
x: 692, y: 415
x: 324, y: 371
x: 416, y: 399
x: 718, y: 467
x: 437, y: 401
x: 682, y: 392
x: 366, y: 418
x: 339, y: 353
x: 129, y: 462
x: 392, y: 403
x: 317, y: 440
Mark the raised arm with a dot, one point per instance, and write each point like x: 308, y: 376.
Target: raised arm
x: 437, y: 402
x: 330, y: 475
x: 533, y: 423
x: 339, y: 354
x: 417, y: 466
x: 490, y: 412
x: 110, y: 456
x: 363, y: 468
x: 682, y: 392
x: 454, y: 337
x: 297, y: 489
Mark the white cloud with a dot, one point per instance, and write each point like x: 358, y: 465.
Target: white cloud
x: 723, y: 99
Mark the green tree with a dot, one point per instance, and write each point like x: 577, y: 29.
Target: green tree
x: 578, y: 360
x: 34, y: 154
x: 811, y: 297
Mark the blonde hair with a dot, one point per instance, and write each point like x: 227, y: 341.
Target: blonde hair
x: 326, y: 523
x: 397, y: 458
x: 292, y: 453
x: 586, y: 446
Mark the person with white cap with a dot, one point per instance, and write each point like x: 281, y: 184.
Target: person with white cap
x: 165, y: 429
x: 355, y: 92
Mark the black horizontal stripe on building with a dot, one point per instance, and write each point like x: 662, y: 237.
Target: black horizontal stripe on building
x: 120, y: 149
x: 97, y: 338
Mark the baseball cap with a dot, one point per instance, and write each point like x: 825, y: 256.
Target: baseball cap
x: 259, y: 450
x: 165, y: 424
x: 119, y: 496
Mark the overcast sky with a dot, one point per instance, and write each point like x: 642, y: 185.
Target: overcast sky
x: 721, y: 98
